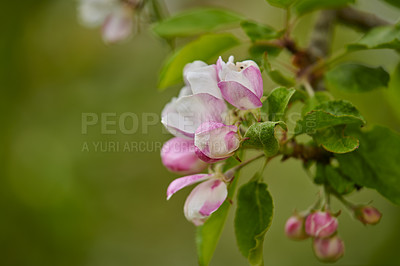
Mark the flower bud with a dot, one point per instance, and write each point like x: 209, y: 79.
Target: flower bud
x: 328, y: 249
x: 321, y: 224
x: 178, y: 156
x: 368, y: 214
x: 215, y: 141
x: 294, y: 228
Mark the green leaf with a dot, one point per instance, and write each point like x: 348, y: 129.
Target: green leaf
x: 393, y: 93
x: 333, y: 139
x: 257, y: 52
x: 205, y: 48
x: 207, y: 235
x: 275, y: 75
x: 329, y: 114
x: 253, y: 219
x: 263, y: 135
x: 304, y: 6
x: 195, y: 21
x: 357, y: 78
x: 375, y: 164
x: 384, y: 37
x: 312, y: 102
x: 331, y: 176
x: 257, y: 31
x: 281, y: 3
x: 395, y: 3
x: 277, y: 102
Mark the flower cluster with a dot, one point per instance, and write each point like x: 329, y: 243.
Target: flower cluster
x: 203, y: 134
x: 322, y: 226
x: 114, y: 16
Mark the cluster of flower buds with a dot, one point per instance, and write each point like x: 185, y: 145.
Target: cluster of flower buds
x: 322, y: 226
x: 114, y: 16
x: 203, y: 133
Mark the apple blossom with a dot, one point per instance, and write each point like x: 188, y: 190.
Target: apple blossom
x: 328, y: 249
x: 294, y: 227
x: 241, y: 84
x: 204, y: 199
x: 178, y: 155
x: 321, y: 224
x: 115, y: 17
x: 215, y: 141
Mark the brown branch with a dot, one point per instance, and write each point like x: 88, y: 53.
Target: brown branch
x: 359, y: 19
x: 305, y: 152
x: 320, y: 45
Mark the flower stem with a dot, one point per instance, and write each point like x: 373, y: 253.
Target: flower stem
x: 308, y: 88
x: 230, y: 173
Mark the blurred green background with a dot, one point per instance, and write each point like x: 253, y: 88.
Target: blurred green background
x: 64, y: 206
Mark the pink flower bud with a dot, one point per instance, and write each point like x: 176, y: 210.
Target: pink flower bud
x: 215, y: 141
x: 321, y: 224
x: 178, y: 156
x: 328, y: 249
x: 368, y: 214
x: 294, y: 228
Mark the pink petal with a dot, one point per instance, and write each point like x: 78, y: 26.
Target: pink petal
x: 178, y: 155
x: 253, y: 74
x: 183, y: 182
x: 216, y: 140
x: 238, y: 95
x: 118, y: 25
x: 205, y: 158
x: 205, y: 199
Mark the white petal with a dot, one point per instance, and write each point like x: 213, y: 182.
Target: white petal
x: 184, y: 115
x: 92, y: 13
x: 185, y: 91
x: 205, y: 199
x: 204, y: 80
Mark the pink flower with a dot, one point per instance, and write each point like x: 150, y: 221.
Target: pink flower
x: 215, y: 141
x: 204, y: 199
x: 118, y: 24
x: 328, y: 249
x: 368, y: 214
x: 114, y: 16
x: 321, y: 224
x: 294, y: 228
x: 178, y: 155
x: 241, y: 84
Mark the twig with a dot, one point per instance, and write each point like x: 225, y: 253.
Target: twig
x: 320, y: 43
x: 321, y: 37
x: 231, y: 172
x: 359, y: 19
